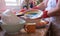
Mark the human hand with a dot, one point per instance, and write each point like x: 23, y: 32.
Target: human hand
x: 22, y: 10
x: 45, y: 14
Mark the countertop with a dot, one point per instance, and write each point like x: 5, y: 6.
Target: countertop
x: 39, y: 32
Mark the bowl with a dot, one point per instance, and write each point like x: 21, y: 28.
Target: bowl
x: 34, y: 14
x: 12, y: 29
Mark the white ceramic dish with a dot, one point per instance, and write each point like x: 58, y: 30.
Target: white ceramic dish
x: 12, y: 29
x: 13, y: 26
x: 39, y: 14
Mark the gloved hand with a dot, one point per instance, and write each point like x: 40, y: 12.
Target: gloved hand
x: 45, y: 14
x: 22, y: 10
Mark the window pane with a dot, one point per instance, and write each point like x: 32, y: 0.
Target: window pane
x: 10, y: 0
x: 9, y: 4
x: 13, y: 2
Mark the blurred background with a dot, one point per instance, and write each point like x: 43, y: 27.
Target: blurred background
x: 17, y: 3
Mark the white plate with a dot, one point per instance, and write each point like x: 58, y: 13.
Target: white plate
x: 38, y: 15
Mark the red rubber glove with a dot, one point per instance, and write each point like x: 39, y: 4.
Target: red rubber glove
x: 45, y: 14
x: 23, y: 10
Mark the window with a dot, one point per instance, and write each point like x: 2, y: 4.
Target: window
x: 13, y: 2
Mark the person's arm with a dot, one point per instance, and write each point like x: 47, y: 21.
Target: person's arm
x: 42, y: 5
x: 55, y: 11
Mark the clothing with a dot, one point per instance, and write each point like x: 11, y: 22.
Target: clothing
x: 55, y: 20
x: 55, y: 30
x: 51, y: 4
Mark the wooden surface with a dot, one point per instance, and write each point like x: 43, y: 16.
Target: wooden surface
x: 39, y: 32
